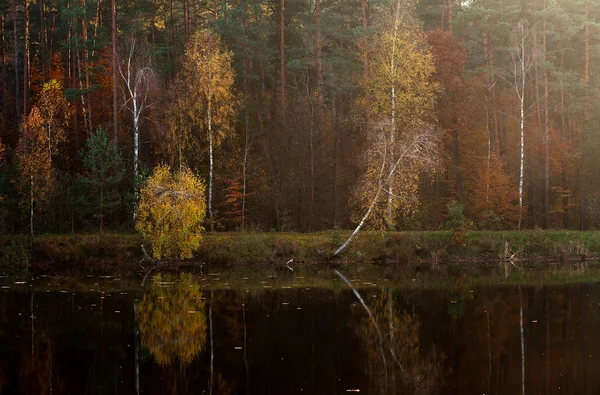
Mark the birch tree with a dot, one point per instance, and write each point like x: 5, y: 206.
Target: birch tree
x: 398, y: 101
x: 523, y: 58
x: 139, y: 81
x: 40, y: 135
x: 206, y: 98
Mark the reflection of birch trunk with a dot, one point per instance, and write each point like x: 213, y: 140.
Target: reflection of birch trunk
x: 364, y: 305
x: 522, y: 342
x: 137, y: 354
x: 547, y: 311
x: 32, y: 325
x: 245, y: 345
x: 487, y: 316
x: 212, y: 349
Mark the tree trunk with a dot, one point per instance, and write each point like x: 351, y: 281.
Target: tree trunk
x: 136, y: 146
x: 43, y: 40
x: 283, y: 100
x: 26, y: 63
x: 538, y: 111
x: 546, y: 130
x: 31, y: 206
x: 319, y: 59
x: 114, y: 74
x: 101, y: 207
x: 522, y: 121
x: 81, y: 91
x: 586, y: 71
x: 210, y: 153
x: 392, y: 138
x: 3, y: 75
x: 246, y: 138
x: 16, y: 39
x: 86, y: 66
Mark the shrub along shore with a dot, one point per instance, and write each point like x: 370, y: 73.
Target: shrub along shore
x: 435, y: 247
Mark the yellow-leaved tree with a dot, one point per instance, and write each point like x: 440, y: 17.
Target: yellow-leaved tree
x: 172, y: 321
x: 42, y: 131
x: 397, y: 117
x: 203, y: 100
x: 171, y: 212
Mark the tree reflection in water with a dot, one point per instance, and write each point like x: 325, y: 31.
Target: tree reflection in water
x: 396, y: 360
x: 172, y: 320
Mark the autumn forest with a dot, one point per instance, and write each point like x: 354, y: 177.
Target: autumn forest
x: 302, y: 115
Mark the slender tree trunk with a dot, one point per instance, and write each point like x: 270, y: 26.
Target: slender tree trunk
x: 283, y: 99
x: 136, y: 146
x: 546, y: 130
x: 210, y: 152
x: 101, y: 207
x: 3, y: 75
x: 16, y: 39
x: 43, y: 39
x: 26, y: 64
x: 86, y: 66
x: 522, y: 121
x: 81, y: 90
x: 246, y: 137
x: 185, y: 21
x: 392, y: 138
x: 450, y: 16
x: 586, y: 78
x: 114, y: 74
x: 586, y: 71
x: 31, y: 206
x: 319, y: 58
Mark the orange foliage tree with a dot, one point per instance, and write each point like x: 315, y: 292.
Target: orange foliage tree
x: 495, y: 200
x: 41, y: 133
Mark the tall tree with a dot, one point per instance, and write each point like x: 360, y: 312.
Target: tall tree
x: 207, y: 95
x: 139, y: 81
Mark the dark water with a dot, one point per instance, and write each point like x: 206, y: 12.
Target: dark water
x: 292, y: 333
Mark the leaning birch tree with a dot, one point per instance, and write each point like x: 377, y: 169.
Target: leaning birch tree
x: 398, y: 102
x: 206, y: 97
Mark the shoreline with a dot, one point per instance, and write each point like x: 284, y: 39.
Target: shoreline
x: 114, y: 251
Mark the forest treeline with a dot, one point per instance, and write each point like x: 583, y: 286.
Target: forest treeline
x: 298, y: 112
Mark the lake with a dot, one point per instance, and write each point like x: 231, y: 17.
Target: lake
x: 244, y: 330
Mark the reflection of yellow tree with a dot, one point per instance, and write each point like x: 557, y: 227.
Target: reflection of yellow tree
x: 396, y: 361
x: 172, y: 320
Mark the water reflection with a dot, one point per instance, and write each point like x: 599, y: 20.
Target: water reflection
x: 172, y: 321
x: 447, y: 338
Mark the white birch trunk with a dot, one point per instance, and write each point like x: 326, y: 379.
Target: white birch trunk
x: 522, y: 122
x: 390, y: 220
x: 210, y: 153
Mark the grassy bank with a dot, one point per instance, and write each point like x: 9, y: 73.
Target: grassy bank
x: 253, y: 248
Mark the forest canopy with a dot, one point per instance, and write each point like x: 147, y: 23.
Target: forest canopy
x: 286, y: 108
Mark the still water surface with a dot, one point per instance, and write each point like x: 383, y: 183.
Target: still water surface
x: 250, y: 331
